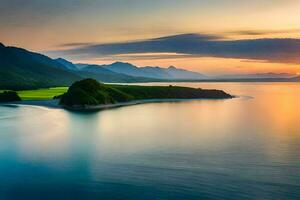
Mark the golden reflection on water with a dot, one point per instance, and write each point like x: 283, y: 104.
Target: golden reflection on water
x: 269, y: 119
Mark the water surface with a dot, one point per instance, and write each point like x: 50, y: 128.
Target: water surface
x: 243, y: 148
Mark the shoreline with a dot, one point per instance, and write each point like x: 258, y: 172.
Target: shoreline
x: 54, y: 104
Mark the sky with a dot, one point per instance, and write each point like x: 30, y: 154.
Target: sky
x: 208, y: 36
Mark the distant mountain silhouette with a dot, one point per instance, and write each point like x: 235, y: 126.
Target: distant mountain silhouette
x: 296, y: 79
x: 171, y: 73
x: 269, y: 75
x: 100, y: 73
x: 82, y: 65
x: 125, y: 68
x: 67, y: 64
x: 99, y: 69
x: 177, y: 73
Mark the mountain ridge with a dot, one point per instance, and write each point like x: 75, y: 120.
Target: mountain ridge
x: 170, y: 73
x: 257, y: 75
x: 66, y: 63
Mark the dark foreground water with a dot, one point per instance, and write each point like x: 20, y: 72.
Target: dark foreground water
x: 244, y: 148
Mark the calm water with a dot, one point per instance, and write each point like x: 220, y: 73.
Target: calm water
x: 244, y: 148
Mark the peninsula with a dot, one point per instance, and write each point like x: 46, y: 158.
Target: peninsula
x: 89, y: 94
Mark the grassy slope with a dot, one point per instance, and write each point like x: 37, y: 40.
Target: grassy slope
x: 42, y: 94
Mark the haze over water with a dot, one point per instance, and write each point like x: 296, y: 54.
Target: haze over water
x: 242, y: 148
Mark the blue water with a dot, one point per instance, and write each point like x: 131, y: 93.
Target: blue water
x: 244, y: 148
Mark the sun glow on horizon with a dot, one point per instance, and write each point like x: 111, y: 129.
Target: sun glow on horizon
x: 47, y: 26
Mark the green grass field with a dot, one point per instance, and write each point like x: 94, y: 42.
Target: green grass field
x: 41, y: 94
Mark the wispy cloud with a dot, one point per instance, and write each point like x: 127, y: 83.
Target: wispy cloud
x: 73, y: 45
x: 262, y: 32
x: 198, y: 45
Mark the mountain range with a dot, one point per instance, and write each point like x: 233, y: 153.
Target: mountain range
x: 170, y: 73
x: 23, y: 69
x: 269, y: 75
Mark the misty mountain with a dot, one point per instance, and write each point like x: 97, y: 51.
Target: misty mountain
x: 81, y: 65
x: 295, y: 79
x: 170, y: 73
x: 100, y: 73
x: 67, y: 64
x: 98, y: 69
x: 269, y: 75
x: 125, y: 68
x: 155, y: 72
x: 177, y: 73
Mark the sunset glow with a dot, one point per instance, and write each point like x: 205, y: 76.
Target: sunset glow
x: 51, y: 27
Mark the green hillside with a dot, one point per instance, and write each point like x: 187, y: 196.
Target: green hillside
x: 21, y: 69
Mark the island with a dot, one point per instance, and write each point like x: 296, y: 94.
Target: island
x: 89, y: 94
x: 9, y: 96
